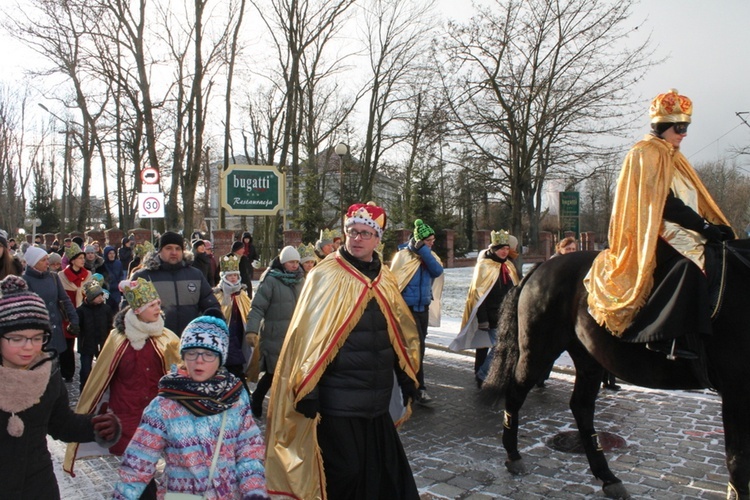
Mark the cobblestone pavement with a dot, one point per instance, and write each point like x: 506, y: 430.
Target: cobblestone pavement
x: 674, y: 443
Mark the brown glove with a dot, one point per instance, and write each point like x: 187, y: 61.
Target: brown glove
x: 106, y: 426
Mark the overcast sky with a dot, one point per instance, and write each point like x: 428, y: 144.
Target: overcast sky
x: 708, y: 53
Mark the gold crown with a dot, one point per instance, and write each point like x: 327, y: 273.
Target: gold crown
x: 306, y: 252
x: 670, y: 108
x: 229, y: 264
x: 501, y: 237
x: 141, y: 249
x: 328, y: 235
x: 92, y: 286
x: 139, y: 293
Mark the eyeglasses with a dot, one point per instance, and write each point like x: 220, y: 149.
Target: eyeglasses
x: 365, y: 235
x: 21, y: 341
x: 207, y: 356
x: 680, y: 128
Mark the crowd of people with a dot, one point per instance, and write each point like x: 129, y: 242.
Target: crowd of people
x: 171, y: 338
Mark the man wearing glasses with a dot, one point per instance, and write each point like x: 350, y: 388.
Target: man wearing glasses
x: 417, y: 269
x: 351, y: 342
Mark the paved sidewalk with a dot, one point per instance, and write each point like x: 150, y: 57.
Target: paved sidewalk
x: 674, y: 443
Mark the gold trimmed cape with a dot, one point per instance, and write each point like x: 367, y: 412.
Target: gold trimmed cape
x: 486, y: 273
x: 621, y: 277
x: 404, y: 266
x: 166, y: 345
x: 332, y: 301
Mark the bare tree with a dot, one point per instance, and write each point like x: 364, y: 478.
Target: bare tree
x: 533, y: 84
x: 397, y: 36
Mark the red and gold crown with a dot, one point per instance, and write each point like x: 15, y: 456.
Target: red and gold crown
x: 367, y: 213
x: 670, y: 108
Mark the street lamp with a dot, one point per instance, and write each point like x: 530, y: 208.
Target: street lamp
x: 65, y: 198
x: 341, y: 149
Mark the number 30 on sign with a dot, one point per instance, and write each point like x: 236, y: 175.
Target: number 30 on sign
x: 150, y: 205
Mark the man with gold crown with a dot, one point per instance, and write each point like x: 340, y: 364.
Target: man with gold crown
x: 235, y: 305
x: 419, y: 273
x: 494, y: 275
x: 650, y: 285
x: 125, y: 378
x: 351, y: 342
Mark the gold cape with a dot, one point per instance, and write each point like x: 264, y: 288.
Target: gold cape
x: 404, y: 265
x: 621, y: 277
x: 486, y: 273
x: 331, y: 303
x: 166, y: 345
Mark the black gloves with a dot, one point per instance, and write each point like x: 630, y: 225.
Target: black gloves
x: 727, y: 233
x: 74, y: 329
x: 717, y: 232
x: 308, y: 407
x: 409, y: 392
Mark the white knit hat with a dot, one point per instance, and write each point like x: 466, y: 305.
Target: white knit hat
x: 288, y: 253
x: 33, y: 255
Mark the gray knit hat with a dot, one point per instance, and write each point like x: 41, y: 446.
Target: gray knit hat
x: 20, y: 308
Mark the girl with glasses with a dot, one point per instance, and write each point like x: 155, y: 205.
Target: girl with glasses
x: 201, y: 424
x: 33, y: 398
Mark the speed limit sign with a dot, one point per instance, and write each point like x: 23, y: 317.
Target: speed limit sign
x: 150, y: 205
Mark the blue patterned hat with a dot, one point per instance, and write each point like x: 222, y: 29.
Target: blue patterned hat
x: 206, y: 332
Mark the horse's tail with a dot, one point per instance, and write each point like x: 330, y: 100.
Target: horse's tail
x: 506, y: 350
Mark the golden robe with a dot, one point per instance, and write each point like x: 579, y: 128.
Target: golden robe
x: 167, y: 346
x: 404, y: 266
x: 621, y: 277
x: 486, y: 273
x: 331, y: 303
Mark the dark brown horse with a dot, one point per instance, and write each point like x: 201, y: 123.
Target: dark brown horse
x: 547, y: 314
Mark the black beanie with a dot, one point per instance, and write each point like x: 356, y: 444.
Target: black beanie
x: 20, y: 308
x: 171, y: 238
x: 198, y: 243
x: 237, y: 245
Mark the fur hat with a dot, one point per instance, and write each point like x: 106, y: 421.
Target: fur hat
x: 288, y: 254
x: 206, y: 332
x: 421, y: 230
x: 34, y: 255
x: 20, y: 308
x: 139, y: 293
x: 171, y: 238
x: 369, y: 214
x: 73, y: 251
x: 89, y: 249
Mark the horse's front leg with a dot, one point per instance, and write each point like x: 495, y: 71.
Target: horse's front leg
x: 735, y: 410
x: 582, y: 404
x: 514, y: 399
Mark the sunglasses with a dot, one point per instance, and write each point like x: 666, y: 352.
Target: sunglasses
x: 680, y: 128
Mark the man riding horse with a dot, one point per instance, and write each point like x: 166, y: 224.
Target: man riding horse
x: 652, y: 283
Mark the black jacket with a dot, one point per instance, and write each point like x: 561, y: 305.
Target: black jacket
x: 25, y: 464
x: 184, y: 292
x: 359, y: 380
x: 95, y: 322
